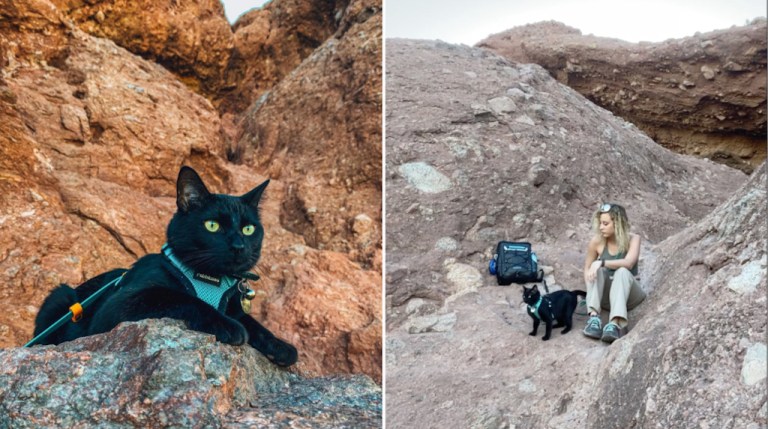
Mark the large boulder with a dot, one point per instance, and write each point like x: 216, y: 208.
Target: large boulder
x: 155, y: 373
x: 480, y: 149
x: 699, y: 354
x: 319, y: 130
x: 192, y: 39
x: 703, y: 95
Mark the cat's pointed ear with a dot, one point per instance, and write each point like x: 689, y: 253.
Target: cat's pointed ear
x: 190, y: 190
x: 253, y: 197
x: 535, y: 287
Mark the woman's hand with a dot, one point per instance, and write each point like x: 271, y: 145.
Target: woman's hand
x: 591, y: 273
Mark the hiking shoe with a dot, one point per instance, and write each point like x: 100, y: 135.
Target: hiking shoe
x: 611, y: 333
x: 581, y: 308
x: 592, y: 330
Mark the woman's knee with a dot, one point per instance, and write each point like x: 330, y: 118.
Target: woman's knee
x: 622, y: 272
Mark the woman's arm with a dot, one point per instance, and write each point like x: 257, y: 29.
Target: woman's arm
x: 591, y: 264
x: 630, y: 259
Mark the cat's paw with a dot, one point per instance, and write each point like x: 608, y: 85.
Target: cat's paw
x: 277, y: 351
x: 545, y: 338
x: 533, y: 334
x: 566, y: 330
x: 231, y: 332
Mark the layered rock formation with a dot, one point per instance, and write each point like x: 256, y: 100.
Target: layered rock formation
x: 92, y: 138
x: 480, y: 149
x: 703, y: 95
x: 268, y: 43
x: 334, y: 165
x: 192, y: 39
x: 155, y: 373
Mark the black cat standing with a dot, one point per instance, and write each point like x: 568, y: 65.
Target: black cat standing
x: 556, y: 306
x: 213, y: 241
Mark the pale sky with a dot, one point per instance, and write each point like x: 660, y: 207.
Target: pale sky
x: 234, y: 8
x: 468, y: 22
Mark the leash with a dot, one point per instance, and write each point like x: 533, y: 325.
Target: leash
x: 75, y: 312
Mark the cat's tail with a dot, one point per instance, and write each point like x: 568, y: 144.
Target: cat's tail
x: 579, y: 293
x: 57, y: 305
x: 54, y: 307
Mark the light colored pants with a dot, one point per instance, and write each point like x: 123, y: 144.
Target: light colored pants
x: 624, y: 293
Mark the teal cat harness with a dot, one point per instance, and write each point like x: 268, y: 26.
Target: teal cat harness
x: 534, y: 309
x: 214, y: 291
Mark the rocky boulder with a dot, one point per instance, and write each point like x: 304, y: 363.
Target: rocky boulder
x: 192, y: 39
x: 91, y: 140
x: 703, y: 95
x: 155, y: 373
x: 269, y: 42
x: 480, y: 149
x: 699, y: 353
x: 333, y: 165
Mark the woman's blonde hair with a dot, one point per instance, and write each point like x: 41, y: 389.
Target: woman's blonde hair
x: 620, y: 224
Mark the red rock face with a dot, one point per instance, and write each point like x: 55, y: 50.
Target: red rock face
x: 333, y: 164
x: 269, y: 43
x: 702, y: 95
x: 191, y: 39
x: 92, y: 137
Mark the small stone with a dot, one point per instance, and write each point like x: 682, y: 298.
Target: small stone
x: 733, y: 67
x: 425, y: 178
x: 523, y: 119
x: 502, y: 105
x: 518, y: 94
x: 414, y: 304
x: 538, y: 174
x: 753, y: 369
x: 446, y: 244
x: 432, y: 323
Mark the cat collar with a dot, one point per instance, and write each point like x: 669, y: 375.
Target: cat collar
x: 210, y: 289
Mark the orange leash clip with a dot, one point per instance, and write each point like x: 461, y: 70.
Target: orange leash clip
x: 77, y: 312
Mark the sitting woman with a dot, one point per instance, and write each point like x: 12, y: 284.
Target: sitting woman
x: 611, y: 263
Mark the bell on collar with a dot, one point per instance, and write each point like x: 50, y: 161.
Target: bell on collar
x: 245, y: 303
x: 245, y: 299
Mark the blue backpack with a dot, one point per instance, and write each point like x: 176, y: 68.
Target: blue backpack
x: 515, y: 262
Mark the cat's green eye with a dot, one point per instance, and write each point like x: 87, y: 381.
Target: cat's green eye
x: 211, y: 225
x: 248, y: 229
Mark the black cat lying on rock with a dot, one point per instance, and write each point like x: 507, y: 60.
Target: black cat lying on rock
x: 213, y: 240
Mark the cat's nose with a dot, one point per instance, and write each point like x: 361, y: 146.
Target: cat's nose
x: 237, y: 246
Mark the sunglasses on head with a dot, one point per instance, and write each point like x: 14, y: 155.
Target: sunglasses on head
x: 605, y: 208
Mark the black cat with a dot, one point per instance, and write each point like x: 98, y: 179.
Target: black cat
x: 213, y: 240
x: 557, y: 305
